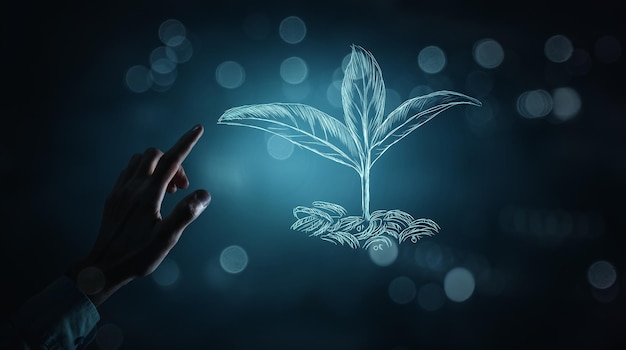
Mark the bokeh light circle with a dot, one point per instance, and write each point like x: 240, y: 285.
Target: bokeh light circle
x: 167, y: 273
x: 488, y: 53
x: 333, y: 95
x: 292, y: 30
x: 161, y: 60
x: 566, y: 102
x: 383, y: 255
x: 431, y: 297
x: 180, y: 53
x: 279, y: 148
x: 402, y: 290
x: 138, y: 79
x: 534, y: 104
x: 601, y: 274
x: 558, y: 48
x: 172, y: 32
x: 233, y: 259
x: 230, y: 74
x: 294, y: 70
x: 431, y: 59
x: 459, y: 284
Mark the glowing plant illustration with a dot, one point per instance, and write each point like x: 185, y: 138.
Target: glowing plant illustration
x: 358, y: 144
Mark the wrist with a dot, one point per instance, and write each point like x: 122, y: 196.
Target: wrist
x: 94, y: 282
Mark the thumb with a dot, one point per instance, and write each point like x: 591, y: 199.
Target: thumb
x: 185, y: 212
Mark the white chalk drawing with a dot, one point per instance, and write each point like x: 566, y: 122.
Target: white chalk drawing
x: 358, y: 144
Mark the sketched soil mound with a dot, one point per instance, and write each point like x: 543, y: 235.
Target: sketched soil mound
x: 330, y: 222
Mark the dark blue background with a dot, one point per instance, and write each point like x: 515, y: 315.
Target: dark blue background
x: 70, y: 125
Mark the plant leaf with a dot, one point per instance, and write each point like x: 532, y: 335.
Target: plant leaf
x: 300, y: 124
x: 412, y: 114
x: 363, y: 98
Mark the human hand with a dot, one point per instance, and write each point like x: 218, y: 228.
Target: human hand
x: 134, y: 237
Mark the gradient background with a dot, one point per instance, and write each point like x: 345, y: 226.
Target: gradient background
x: 526, y: 205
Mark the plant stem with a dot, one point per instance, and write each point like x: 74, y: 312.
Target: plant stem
x: 365, y: 193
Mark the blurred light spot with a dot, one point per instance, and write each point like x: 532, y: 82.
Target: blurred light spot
x: 256, y: 26
x: 164, y: 80
x: 479, y: 83
x: 180, y: 53
x: 488, y: 53
x: 167, y: 273
x: 296, y: 92
x: 431, y: 297
x: 431, y: 59
x: 601, y: 274
x: 109, y: 337
x: 293, y: 70
x: 434, y: 257
x: 138, y: 79
x: 580, y: 62
x: 333, y: 95
x: 459, y: 284
x: 292, y: 30
x: 279, y: 148
x: 160, y: 61
x: 172, y: 32
x: 345, y: 61
x: 382, y: 255
x: 534, y: 104
x: 338, y: 78
x: 420, y: 90
x: 402, y: 290
x: 558, y: 48
x: 233, y: 259
x: 230, y: 74
x: 392, y: 100
x: 566, y: 103
x: 607, y: 49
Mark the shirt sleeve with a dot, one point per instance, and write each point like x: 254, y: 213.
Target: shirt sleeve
x: 60, y: 317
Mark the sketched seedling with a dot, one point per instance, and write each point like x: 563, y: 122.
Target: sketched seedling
x: 358, y: 144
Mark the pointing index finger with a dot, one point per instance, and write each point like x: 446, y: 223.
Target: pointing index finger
x: 170, y: 162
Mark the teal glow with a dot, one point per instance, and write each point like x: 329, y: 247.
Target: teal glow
x: 279, y: 148
x: 234, y: 259
x: 488, y: 53
x: 292, y: 29
x: 431, y: 59
x: 368, y: 132
x: 294, y: 70
x: 230, y: 75
x: 459, y: 284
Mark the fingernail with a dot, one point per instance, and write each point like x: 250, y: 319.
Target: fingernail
x: 196, y: 128
x: 204, y: 198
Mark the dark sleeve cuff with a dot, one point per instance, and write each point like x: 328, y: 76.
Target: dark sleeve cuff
x: 60, y: 317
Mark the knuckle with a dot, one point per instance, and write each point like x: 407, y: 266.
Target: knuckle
x: 153, y: 152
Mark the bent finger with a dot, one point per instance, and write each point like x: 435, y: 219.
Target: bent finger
x: 149, y: 161
x: 186, y: 211
x: 129, y: 171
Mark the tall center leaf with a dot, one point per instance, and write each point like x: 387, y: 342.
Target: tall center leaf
x: 363, y: 99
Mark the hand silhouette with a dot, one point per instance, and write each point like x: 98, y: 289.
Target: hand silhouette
x: 134, y: 237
